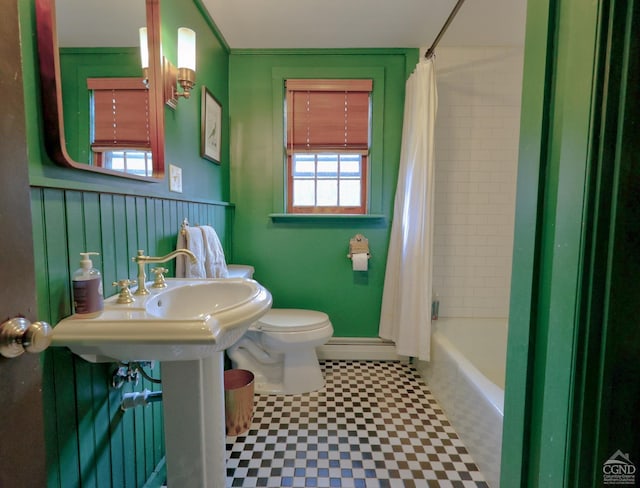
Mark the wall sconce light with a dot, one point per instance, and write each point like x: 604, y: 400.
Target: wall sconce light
x: 144, y: 55
x: 186, y: 59
x: 185, y: 74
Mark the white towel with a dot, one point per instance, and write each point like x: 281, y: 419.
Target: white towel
x: 192, y: 240
x: 214, y: 264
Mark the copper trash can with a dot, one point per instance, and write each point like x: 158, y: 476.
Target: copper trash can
x: 238, y: 400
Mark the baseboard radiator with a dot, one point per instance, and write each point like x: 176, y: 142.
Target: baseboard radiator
x: 359, y: 348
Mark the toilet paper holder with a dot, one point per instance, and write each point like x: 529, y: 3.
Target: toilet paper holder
x: 358, y: 244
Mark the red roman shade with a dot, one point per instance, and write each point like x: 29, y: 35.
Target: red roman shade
x: 120, y: 114
x: 328, y: 115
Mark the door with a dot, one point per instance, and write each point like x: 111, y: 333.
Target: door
x: 572, y: 398
x: 22, y: 451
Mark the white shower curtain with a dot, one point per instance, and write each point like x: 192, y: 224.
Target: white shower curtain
x: 406, y: 300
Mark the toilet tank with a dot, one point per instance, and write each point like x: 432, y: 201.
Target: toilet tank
x: 240, y: 271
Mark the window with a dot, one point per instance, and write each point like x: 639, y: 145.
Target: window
x: 328, y: 126
x: 120, y: 137
x: 128, y: 161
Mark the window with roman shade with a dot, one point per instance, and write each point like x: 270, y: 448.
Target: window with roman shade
x: 120, y: 124
x: 328, y: 131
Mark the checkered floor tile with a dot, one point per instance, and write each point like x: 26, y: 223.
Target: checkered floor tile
x: 374, y: 424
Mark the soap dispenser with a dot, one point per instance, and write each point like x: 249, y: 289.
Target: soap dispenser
x: 87, y: 288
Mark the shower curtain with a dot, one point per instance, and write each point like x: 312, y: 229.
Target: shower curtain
x: 406, y: 300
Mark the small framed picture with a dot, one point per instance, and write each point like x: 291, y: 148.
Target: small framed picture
x: 210, y: 127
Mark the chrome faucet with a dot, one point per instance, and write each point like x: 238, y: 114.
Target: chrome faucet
x: 141, y: 260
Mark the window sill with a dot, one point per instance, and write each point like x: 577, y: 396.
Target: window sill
x: 286, y: 217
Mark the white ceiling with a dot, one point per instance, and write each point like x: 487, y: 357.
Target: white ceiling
x: 366, y: 23
x: 77, y: 25
x: 266, y: 24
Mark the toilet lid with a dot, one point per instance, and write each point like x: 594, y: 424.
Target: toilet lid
x: 291, y: 319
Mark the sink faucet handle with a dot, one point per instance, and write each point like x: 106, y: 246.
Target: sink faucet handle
x: 125, y: 294
x: 159, y: 281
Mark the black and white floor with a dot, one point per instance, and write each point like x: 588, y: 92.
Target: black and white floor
x: 374, y: 424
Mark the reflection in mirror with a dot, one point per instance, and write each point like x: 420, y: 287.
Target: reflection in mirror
x: 97, y: 59
x: 99, y: 113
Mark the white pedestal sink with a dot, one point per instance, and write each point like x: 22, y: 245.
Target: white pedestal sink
x: 186, y: 326
x: 193, y: 399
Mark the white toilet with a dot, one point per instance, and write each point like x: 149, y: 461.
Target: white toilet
x: 279, y: 349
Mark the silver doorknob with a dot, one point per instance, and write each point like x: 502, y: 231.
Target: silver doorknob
x: 18, y: 335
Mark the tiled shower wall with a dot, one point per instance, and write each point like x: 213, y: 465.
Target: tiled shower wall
x: 476, y: 152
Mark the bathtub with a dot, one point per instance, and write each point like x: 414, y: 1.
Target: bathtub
x: 466, y: 375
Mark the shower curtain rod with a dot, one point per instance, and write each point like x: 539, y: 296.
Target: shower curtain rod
x: 431, y: 51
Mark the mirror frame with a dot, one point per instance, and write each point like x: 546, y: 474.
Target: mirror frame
x: 51, y: 92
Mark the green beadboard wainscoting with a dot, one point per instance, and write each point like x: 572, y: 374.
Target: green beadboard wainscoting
x: 303, y: 261
x: 90, y: 442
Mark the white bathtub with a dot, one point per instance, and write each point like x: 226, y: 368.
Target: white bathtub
x: 466, y: 375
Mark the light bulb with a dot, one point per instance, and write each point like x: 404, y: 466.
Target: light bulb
x: 144, y: 48
x: 186, y: 48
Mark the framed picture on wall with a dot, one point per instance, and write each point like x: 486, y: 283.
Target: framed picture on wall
x: 210, y: 126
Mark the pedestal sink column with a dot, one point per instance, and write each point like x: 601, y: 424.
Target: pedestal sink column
x: 194, y: 425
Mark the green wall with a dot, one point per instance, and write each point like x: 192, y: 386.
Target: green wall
x: 202, y: 180
x: 201, y: 177
x: 76, y: 66
x: 552, y: 174
x: 572, y: 397
x: 90, y: 442
x: 303, y: 261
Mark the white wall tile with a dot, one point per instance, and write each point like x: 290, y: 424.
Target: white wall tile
x: 476, y: 151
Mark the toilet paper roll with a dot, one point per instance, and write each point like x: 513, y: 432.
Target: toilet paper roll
x: 360, y: 261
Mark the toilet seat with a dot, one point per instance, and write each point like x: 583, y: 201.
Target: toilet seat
x: 291, y: 320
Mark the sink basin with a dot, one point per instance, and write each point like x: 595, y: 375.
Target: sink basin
x: 201, y: 299
x: 188, y: 320
x: 187, y: 326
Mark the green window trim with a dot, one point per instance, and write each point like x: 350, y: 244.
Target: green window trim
x: 278, y: 77
x: 333, y: 218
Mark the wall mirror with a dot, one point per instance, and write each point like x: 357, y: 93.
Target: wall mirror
x: 92, y: 47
